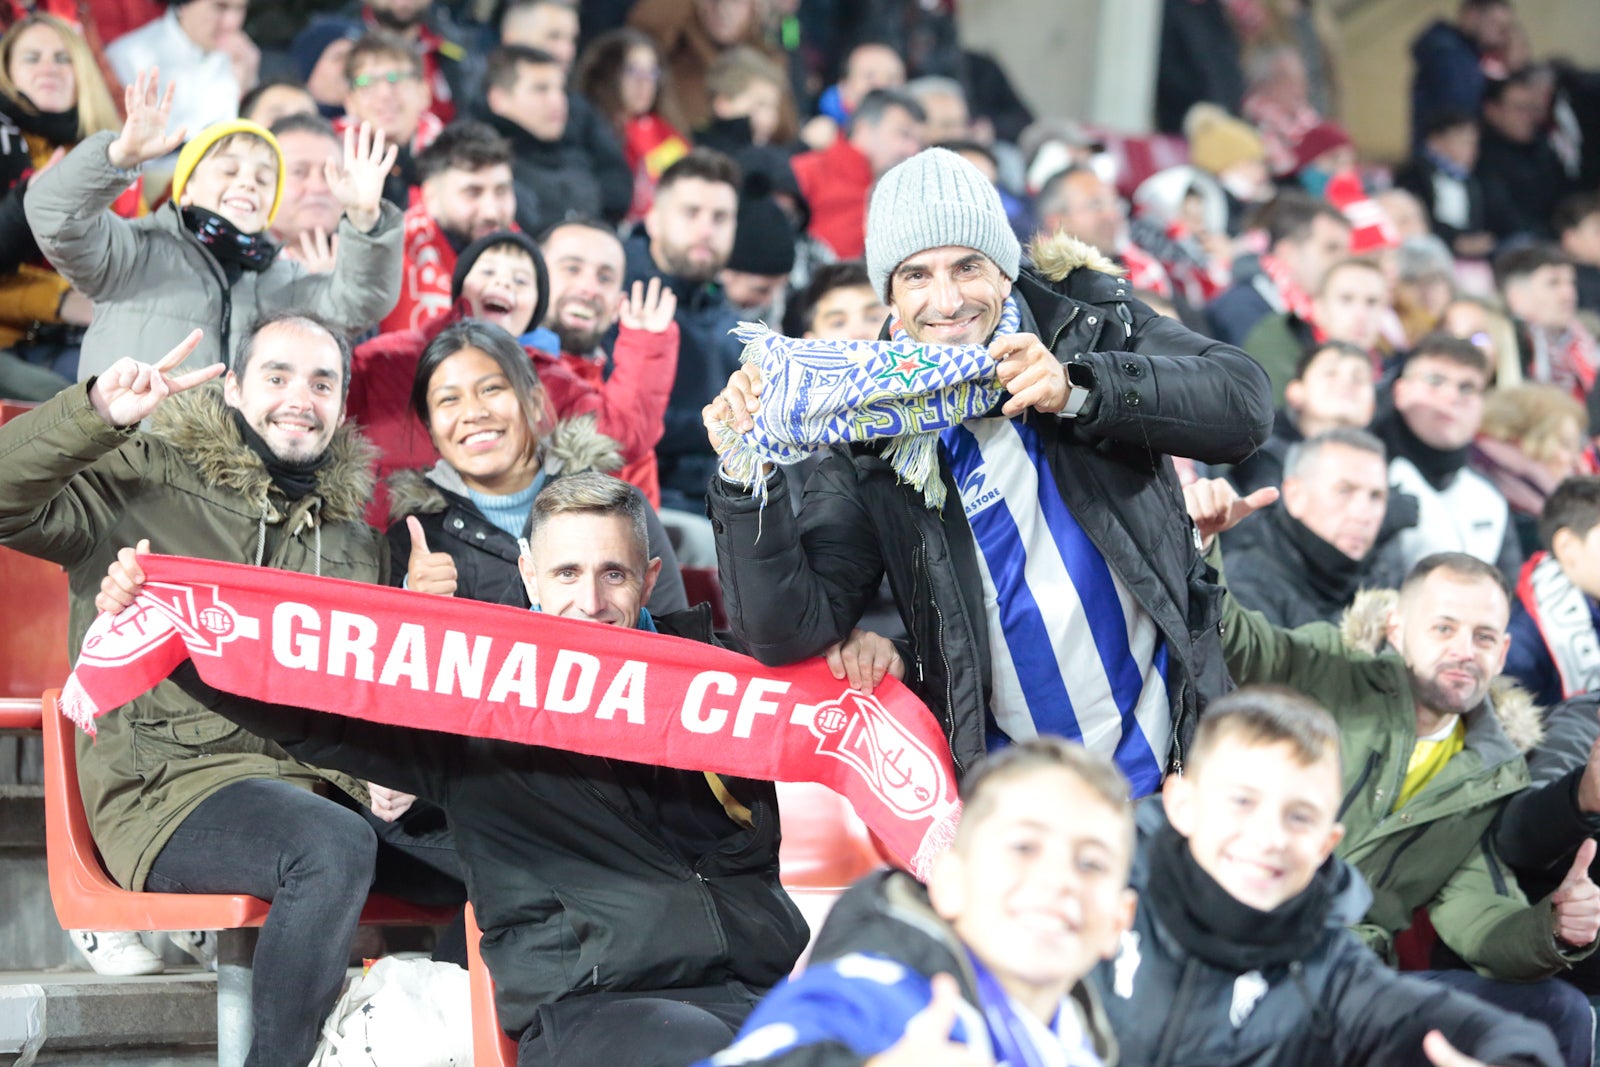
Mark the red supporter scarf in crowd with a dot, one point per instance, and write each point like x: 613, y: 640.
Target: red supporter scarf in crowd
x: 483, y: 670
x: 1295, y: 299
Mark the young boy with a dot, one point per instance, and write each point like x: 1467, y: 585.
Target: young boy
x: 747, y: 101
x: 1555, y: 622
x: 1241, y: 954
x: 204, y: 259
x: 1332, y: 388
x: 991, y: 954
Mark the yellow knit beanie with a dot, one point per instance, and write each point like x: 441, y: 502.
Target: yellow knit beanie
x: 1218, y: 141
x: 199, y: 145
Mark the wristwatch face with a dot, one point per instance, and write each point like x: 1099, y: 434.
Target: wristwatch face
x: 1080, y: 375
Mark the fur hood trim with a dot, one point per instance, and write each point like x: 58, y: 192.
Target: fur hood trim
x: 1059, y: 254
x: 1364, y: 628
x: 198, y: 424
x: 572, y: 447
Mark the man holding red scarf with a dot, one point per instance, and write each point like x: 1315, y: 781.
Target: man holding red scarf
x: 632, y: 914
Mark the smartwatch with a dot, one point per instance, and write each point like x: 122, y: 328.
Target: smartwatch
x: 1080, y: 383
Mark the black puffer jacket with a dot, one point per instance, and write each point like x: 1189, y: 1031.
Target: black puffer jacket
x: 586, y: 874
x: 794, y: 586
x: 1335, y: 1005
x: 485, y: 555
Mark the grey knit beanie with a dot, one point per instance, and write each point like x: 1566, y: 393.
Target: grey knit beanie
x: 934, y: 199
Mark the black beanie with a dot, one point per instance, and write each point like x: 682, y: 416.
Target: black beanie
x: 764, y: 240
x: 541, y: 277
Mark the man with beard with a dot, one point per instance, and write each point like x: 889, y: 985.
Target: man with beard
x: 586, y: 265
x: 467, y: 193
x: 264, y: 471
x: 451, y: 67
x: 1429, y: 761
x: 685, y: 241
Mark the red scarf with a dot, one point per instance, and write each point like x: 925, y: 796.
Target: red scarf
x: 1295, y: 299
x: 483, y: 670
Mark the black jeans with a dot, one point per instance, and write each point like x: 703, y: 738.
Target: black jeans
x: 667, y: 1028
x: 314, y: 859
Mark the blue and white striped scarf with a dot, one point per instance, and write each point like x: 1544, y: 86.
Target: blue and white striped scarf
x: 816, y: 393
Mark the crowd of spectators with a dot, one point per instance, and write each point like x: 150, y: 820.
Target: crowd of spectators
x: 457, y: 191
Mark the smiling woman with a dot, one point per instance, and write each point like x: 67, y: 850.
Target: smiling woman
x: 455, y: 526
x: 51, y: 97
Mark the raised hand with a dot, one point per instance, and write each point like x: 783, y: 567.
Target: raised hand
x: 129, y: 391
x: 358, y: 184
x: 1216, y: 507
x: 1577, y: 901
x: 123, y: 580
x: 428, y: 572
x: 864, y: 658
x: 318, y: 250
x: 649, y: 309
x: 734, y: 405
x: 926, y: 1041
x: 144, y: 134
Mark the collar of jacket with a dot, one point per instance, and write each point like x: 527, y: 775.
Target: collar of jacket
x: 1330, y: 573
x: 641, y: 266
x: 1070, y: 283
x: 197, y: 424
x: 573, y: 446
x: 523, y: 141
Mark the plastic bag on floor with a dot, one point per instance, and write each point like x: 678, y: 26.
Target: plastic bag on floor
x: 401, y: 1013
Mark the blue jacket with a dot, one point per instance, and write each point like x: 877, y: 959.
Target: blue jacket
x: 1447, y: 76
x: 870, y: 972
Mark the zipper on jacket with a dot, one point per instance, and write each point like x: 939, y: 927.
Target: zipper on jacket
x: 949, y: 685
x: 1063, y: 327
x: 1355, y: 790
x: 1394, y: 857
x: 1175, y: 1015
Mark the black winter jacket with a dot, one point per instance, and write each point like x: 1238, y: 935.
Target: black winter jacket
x: 793, y: 586
x: 1336, y: 1005
x: 587, y: 875
x: 1291, y: 575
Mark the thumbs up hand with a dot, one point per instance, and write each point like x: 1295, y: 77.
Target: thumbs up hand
x: 428, y: 572
x: 1577, y: 901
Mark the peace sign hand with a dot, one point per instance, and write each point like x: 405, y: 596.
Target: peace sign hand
x: 129, y: 391
x: 144, y: 135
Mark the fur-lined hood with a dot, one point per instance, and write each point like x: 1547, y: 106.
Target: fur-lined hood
x: 1059, y: 254
x: 198, y: 424
x: 572, y: 447
x: 1364, y: 627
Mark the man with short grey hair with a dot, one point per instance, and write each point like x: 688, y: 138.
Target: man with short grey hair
x: 1312, y: 551
x: 1057, y: 589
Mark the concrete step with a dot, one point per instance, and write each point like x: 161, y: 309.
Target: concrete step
x: 160, y: 1018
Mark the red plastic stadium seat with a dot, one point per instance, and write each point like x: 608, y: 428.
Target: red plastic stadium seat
x: 490, y: 1045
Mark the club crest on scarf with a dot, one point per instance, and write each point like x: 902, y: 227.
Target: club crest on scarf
x: 816, y: 393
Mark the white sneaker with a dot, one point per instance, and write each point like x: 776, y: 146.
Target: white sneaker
x: 199, y: 944
x: 118, y: 953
